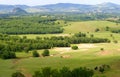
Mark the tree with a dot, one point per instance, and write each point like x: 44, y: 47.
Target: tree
x: 17, y: 74
x: 35, y: 54
x: 65, y: 72
x: 7, y: 55
x: 101, y: 69
x: 37, y: 74
x: 74, y: 47
x: 46, y: 72
x: 46, y: 52
x: 96, y: 30
x: 107, y: 28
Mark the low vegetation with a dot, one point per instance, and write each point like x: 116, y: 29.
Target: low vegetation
x: 29, y: 25
x: 35, y: 53
x: 74, y: 47
x: 46, y: 53
x: 40, y: 46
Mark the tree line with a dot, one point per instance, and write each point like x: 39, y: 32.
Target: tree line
x: 11, y: 44
x: 63, y: 72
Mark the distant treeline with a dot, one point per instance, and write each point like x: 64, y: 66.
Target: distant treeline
x: 29, y: 25
x: 85, y: 17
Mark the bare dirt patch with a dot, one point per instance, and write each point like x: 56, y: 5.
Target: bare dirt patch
x: 65, y: 56
x: 103, y: 53
x: 86, y: 46
x: 82, y: 47
x: 109, y: 52
x: 62, y: 50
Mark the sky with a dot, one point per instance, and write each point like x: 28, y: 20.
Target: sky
x: 44, y: 2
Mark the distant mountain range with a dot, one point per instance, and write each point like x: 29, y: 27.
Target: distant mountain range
x: 64, y: 7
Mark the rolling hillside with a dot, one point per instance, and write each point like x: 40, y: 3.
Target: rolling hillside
x: 66, y: 7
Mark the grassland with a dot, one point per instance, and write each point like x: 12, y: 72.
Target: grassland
x: 88, y: 55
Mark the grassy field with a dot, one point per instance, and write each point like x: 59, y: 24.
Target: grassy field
x: 88, y: 26
x: 88, y: 55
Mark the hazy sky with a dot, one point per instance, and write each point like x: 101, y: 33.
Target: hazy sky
x: 43, y: 2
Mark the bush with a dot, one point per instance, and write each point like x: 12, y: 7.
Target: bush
x: 102, y: 49
x: 96, y: 30
x: 74, y: 47
x: 64, y: 72
x: 102, y: 68
x: 17, y: 74
x: 35, y: 54
x: 46, y: 52
x: 115, y: 41
x: 7, y: 55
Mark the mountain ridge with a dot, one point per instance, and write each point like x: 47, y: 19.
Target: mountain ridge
x: 66, y: 7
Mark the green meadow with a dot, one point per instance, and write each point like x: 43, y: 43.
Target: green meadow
x: 88, y: 55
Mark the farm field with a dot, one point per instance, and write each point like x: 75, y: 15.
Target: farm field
x: 88, y: 55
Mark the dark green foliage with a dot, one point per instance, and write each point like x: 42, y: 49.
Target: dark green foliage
x: 64, y: 72
x: 80, y: 34
x: 74, y: 47
x: 107, y: 28
x: 91, y: 35
x: 55, y: 73
x: 46, y: 72
x: 46, y: 52
x: 29, y: 25
x: 97, y: 29
x: 102, y: 49
x: 18, y: 44
x: 82, y: 72
x: 37, y: 74
x: 115, y: 41
x: 115, y: 30
x: 102, y: 68
x: 35, y: 53
x: 7, y: 55
x: 17, y: 74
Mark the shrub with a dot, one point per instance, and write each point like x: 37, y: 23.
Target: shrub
x: 46, y: 52
x: 35, y: 54
x: 115, y: 41
x: 96, y: 30
x: 74, y: 47
x: 17, y: 74
x: 7, y: 55
x: 64, y: 72
x: 102, y: 49
x: 91, y: 35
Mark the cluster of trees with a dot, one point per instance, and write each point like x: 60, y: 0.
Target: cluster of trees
x: 18, y: 74
x: 115, y: 30
x: 63, y: 72
x: 13, y: 44
x: 85, y: 16
x: 29, y: 25
x: 102, y: 68
x: 45, y: 53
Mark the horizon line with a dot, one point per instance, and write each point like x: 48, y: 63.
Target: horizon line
x: 60, y: 3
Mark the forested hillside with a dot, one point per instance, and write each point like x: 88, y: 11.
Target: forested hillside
x: 29, y: 25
